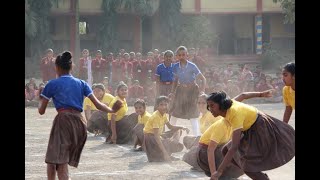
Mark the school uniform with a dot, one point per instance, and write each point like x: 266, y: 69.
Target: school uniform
x: 206, y: 120
x: 166, y: 77
x: 288, y: 96
x: 116, y: 72
x: 139, y: 71
x: 68, y: 134
x: 99, y: 69
x: 83, y: 69
x: 152, y: 148
x: 187, y: 92
x: 267, y: 142
x: 138, y: 129
x: 220, y: 132
x: 124, y: 123
x: 98, y: 119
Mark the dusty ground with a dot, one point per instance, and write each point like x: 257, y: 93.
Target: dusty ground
x: 104, y: 161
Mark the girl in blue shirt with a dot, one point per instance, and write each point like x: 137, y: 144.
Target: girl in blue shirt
x: 68, y: 134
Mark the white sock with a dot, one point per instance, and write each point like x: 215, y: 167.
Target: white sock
x: 195, y: 126
x: 173, y: 120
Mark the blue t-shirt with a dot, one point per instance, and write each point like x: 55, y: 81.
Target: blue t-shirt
x: 67, y: 92
x: 165, y: 73
x: 187, y: 74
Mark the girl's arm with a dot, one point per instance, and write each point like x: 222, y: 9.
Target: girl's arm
x: 287, y: 114
x: 103, y: 107
x: 87, y: 112
x: 248, y: 95
x: 204, y: 82
x: 172, y: 127
x: 211, y: 158
x: 235, y: 141
x: 43, y: 102
x: 113, y: 129
x: 159, y: 142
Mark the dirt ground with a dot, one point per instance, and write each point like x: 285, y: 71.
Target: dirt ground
x: 100, y: 161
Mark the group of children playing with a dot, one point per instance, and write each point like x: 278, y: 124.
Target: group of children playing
x: 231, y: 139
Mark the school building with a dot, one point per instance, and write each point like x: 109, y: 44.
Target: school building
x: 243, y: 26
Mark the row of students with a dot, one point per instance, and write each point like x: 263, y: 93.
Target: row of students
x: 68, y: 92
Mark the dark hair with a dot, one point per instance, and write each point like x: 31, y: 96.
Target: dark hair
x: 167, y: 52
x: 100, y: 86
x: 181, y: 48
x: 140, y: 101
x: 64, y: 60
x: 290, y: 67
x: 159, y: 100
x: 221, y: 98
x: 120, y: 85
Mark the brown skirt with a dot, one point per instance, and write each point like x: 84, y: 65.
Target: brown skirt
x: 138, y: 131
x: 98, y: 121
x: 232, y: 171
x: 185, y: 102
x: 124, y: 128
x: 67, y: 138
x: 268, y: 144
x: 164, y: 89
x: 190, y: 157
x: 153, y: 150
x: 190, y: 141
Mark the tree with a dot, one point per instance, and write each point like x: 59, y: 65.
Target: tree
x: 288, y: 7
x: 107, y: 36
x: 170, y: 22
x: 195, y: 32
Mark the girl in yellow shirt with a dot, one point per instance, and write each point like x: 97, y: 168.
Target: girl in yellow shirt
x: 206, y: 119
x: 96, y: 120
x: 288, y: 92
x: 143, y: 117
x: 120, y: 125
x: 158, y: 145
x: 262, y: 142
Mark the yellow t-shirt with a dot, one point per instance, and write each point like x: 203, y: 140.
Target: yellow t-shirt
x: 107, y: 98
x: 288, y: 96
x: 241, y: 115
x: 219, y: 132
x: 206, y: 120
x: 145, y: 117
x: 156, y: 121
x: 121, y: 112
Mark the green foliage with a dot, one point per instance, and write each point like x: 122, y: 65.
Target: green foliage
x: 170, y: 21
x: 288, y: 7
x: 37, y: 26
x: 108, y: 36
x: 272, y: 58
x: 195, y: 32
x: 30, y: 24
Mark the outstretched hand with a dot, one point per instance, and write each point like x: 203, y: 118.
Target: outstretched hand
x: 117, y: 105
x: 268, y: 93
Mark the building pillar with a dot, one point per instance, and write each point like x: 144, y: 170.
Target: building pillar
x: 72, y: 27
x: 137, y: 34
x: 197, y: 6
x: 258, y: 30
x: 258, y: 27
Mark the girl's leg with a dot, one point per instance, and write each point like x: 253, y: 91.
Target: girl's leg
x: 195, y: 126
x: 257, y: 175
x: 51, y: 171
x: 62, y: 170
